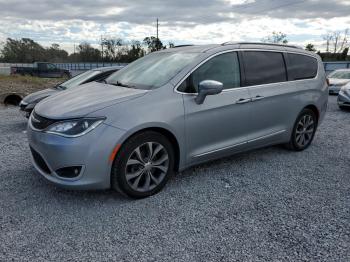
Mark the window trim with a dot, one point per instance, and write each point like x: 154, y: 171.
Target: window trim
x: 288, y: 64
x: 240, y: 64
x: 239, y: 56
x: 284, y: 63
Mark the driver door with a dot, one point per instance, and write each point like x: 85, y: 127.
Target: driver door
x: 222, y: 124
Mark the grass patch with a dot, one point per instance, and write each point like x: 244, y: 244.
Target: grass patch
x: 32, y: 80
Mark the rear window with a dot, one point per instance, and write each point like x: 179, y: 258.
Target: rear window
x: 301, y: 67
x: 262, y: 67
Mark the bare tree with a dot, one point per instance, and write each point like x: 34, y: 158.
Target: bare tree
x: 328, y: 38
x: 337, y: 40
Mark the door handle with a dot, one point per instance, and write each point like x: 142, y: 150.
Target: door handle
x: 257, y: 98
x: 243, y: 100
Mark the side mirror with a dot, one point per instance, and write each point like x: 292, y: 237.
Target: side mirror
x: 206, y: 88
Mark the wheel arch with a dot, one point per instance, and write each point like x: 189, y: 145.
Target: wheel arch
x: 167, y: 133
x: 315, y: 110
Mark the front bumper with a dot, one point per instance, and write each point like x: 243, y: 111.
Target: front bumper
x: 344, y: 98
x: 91, y: 152
x: 334, y: 90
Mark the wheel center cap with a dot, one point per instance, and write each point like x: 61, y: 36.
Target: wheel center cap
x: 148, y: 166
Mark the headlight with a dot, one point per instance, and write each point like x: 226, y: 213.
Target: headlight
x: 74, y: 127
x: 345, y: 87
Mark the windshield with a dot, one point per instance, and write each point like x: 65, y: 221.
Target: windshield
x: 340, y: 75
x: 152, y: 71
x: 79, y: 79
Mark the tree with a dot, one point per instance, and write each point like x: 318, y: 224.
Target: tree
x: 171, y: 45
x: 337, y: 41
x: 55, y: 54
x: 136, y: 51
x: 153, y: 43
x: 310, y: 47
x: 111, y: 48
x: 24, y: 50
x: 87, y: 53
x: 276, y: 38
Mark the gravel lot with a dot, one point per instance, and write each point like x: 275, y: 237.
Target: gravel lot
x: 264, y: 205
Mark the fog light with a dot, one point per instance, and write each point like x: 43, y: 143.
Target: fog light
x: 69, y: 172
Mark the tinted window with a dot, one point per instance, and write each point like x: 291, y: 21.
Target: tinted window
x: 264, y: 67
x: 223, y: 68
x: 301, y: 67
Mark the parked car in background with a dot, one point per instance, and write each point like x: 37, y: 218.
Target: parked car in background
x: 338, y: 79
x: 344, y: 97
x: 176, y: 108
x: 41, y: 69
x: 98, y: 74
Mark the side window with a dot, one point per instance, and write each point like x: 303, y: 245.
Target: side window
x: 301, y: 67
x: 262, y: 67
x: 51, y: 66
x: 223, y: 68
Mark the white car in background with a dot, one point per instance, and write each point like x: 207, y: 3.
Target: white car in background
x: 338, y: 79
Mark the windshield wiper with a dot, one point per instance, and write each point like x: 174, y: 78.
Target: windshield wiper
x: 121, y: 84
x: 60, y: 87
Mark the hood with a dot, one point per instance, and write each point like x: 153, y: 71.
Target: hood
x: 85, y: 99
x: 40, y: 95
x: 338, y: 82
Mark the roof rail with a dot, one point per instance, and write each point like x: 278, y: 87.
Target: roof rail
x: 182, y: 45
x: 260, y: 43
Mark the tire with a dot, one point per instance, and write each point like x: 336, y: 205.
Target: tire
x: 66, y: 75
x: 308, y: 118
x: 138, y: 174
x: 344, y: 108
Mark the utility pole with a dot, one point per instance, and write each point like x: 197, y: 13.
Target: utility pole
x: 157, y: 34
x: 102, y: 51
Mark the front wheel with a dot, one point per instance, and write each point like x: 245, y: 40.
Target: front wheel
x: 143, y: 165
x: 303, y: 131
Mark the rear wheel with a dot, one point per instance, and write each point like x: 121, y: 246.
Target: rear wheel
x: 143, y: 165
x: 66, y: 75
x: 303, y: 131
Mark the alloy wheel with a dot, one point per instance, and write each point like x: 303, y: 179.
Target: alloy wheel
x: 147, y: 166
x: 304, y: 130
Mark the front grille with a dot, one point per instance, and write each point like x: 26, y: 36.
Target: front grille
x: 39, y: 161
x: 39, y: 122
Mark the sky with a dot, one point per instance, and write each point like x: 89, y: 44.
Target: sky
x: 68, y: 22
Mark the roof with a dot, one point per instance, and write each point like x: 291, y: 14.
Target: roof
x: 238, y: 45
x: 108, y: 68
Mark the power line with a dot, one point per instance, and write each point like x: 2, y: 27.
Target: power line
x: 274, y: 7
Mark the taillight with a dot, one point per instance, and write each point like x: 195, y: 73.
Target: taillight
x: 327, y: 81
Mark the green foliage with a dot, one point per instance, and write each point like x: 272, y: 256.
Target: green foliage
x: 328, y: 56
x: 153, y: 43
x: 112, y: 50
x: 276, y: 38
x: 310, y: 47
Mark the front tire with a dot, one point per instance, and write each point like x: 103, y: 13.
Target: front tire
x: 303, y: 131
x: 143, y: 165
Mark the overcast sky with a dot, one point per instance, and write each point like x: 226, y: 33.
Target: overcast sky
x: 181, y: 21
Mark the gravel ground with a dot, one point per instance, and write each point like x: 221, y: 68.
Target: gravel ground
x: 264, y: 205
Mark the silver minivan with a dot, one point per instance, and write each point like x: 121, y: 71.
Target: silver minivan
x: 177, y: 108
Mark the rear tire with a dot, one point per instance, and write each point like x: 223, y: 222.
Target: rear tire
x: 303, y: 131
x: 143, y: 165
